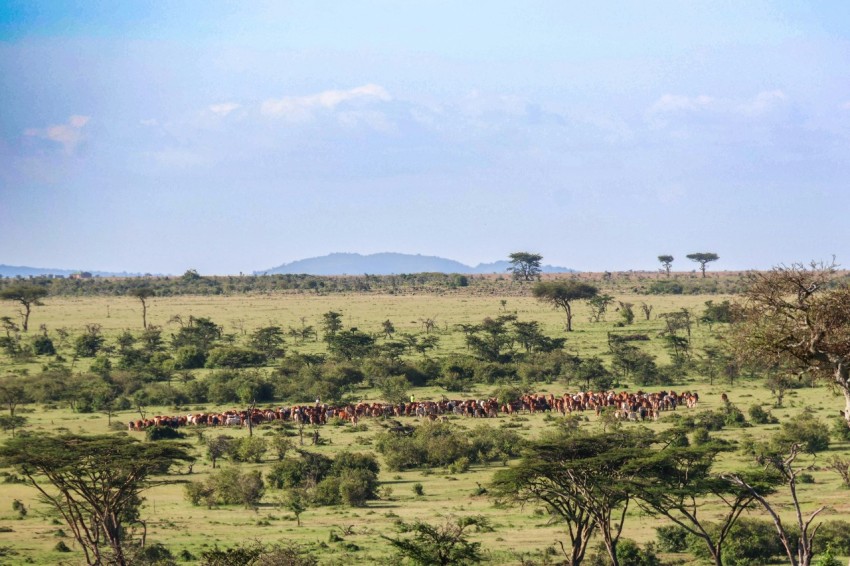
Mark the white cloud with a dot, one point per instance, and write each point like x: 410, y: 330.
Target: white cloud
x: 301, y: 108
x: 69, y: 135
x: 224, y: 108
x: 762, y: 103
x: 759, y: 104
x: 676, y: 103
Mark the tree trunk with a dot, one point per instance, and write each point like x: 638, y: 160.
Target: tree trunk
x: 842, y: 379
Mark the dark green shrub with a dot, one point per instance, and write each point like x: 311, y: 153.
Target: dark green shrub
x: 751, y: 542
x: 840, y: 430
x: 327, y: 492
x: 61, y: 547
x: 249, y: 449
x: 630, y: 554
x: 418, y: 489
x: 43, y: 346
x: 233, y: 357
x: 835, y: 534
x: 671, y: 538
x: 163, y: 433
x: 804, y: 429
x: 154, y: 554
x: 759, y: 416
x: 189, y: 357
x: 701, y: 436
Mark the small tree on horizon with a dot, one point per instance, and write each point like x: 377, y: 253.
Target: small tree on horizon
x: 525, y: 266
x: 666, y: 263
x: 703, y: 258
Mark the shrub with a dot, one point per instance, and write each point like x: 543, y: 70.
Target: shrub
x: 162, y: 433
x: 840, y: 430
x: 672, y: 538
x: 189, y: 357
x: 249, y: 449
x: 229, y: 486
x: 61, y: 547
x: 234, y: 357
x: 833, y: 534
x: 629, y: 553
x: 43, y: 346
x: 751, y: 542
x: 759, y: 416
x: 804, y: 429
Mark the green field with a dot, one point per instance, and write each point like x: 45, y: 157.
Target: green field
x: 519, y: 533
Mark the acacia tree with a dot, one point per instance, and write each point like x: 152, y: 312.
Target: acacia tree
x: 441, y: 544
x: 143, y: 294
x: 805, y: 534
x: 677, y: 482
x: 791, y: 317
x: 525, y: 265
x: 703, y: 258
x: 94, y: 483
x: 561, y: 294
x: 666, y: 263
x: 584, y: 480
x: 28, y: 295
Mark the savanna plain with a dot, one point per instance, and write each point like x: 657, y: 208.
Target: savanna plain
x: 461, y: 340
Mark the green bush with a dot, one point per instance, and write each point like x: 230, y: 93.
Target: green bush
x: 759, y: 416
x: 429, y: 445
x: 671, y: 538
x: 162, y: 433
x: 43, y: 346
x: 833, y: 534
x: 233, y: 357
x: 228, y: 486
x: 804, y: 429
x: 840, y: 430
x: 249, y: 449
x: 750, y: 542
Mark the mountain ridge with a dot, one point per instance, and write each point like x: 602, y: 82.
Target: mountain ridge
x: 391, y: 263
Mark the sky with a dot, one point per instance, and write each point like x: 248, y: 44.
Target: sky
x: 233, y: 137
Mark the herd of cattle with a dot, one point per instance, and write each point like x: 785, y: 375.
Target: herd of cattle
x: 627, y: 406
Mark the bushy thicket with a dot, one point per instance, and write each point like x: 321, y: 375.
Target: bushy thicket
x: 350, y: 478
x: 444, y: 444
x: 228, y: 486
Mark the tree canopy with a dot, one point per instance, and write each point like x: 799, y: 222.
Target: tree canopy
x: 666, y: 263
x: 793, y: 317
x: 525, y: 265
x: 703, y: 258
x: 94, y: 482
x: 28, y: 295
x: 561, y: 294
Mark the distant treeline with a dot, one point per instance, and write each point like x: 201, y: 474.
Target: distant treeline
x: 191, y: 283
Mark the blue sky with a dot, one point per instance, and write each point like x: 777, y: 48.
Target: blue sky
x: 223, y: 137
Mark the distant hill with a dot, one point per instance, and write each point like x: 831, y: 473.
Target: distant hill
x: 390, y: 263
x: 24, y: 271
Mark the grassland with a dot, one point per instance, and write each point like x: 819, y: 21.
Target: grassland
x: 520, y: 533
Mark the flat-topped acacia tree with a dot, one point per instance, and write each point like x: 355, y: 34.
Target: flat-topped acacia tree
x: 525, y: 265
x: 561, y: 295
x: 666, y: 263
x: 28, y: 295
x: 94, y: 483
x: 703, y: 258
